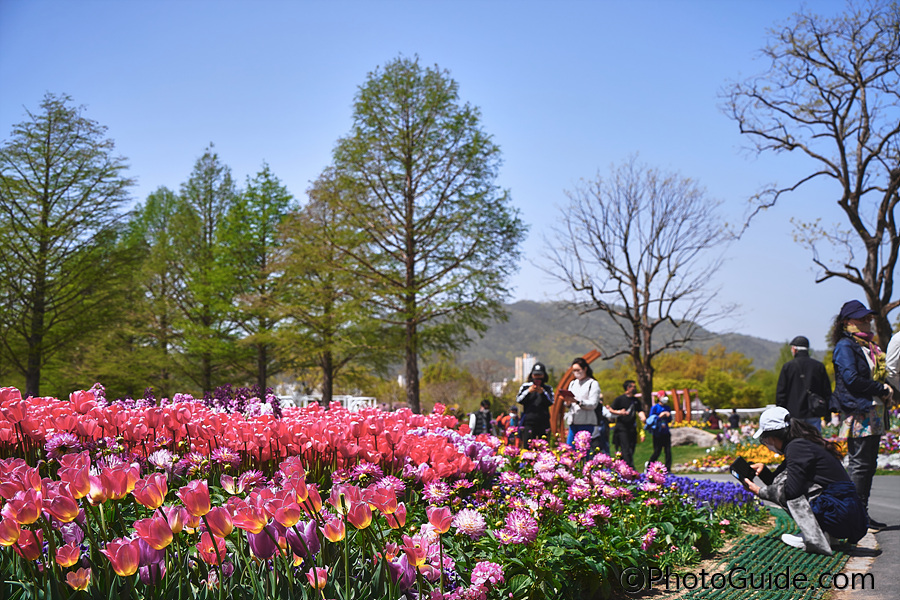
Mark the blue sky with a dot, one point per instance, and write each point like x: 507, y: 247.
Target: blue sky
x: 565, y: 88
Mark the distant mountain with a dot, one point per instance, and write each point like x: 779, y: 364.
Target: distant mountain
x: 556, y: 334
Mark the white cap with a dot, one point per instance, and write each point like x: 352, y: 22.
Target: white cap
x: 773, y: 419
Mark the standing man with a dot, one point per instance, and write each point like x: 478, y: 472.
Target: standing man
x: 480, y: 420
x: 799, y: 375
x: 627, y: 408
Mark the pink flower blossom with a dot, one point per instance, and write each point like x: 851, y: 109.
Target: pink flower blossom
x: 648, y: 538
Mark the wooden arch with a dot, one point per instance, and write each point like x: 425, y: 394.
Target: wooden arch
x: 557, y: 411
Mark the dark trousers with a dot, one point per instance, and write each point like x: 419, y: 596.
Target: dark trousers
x: 530, y: 431
x: 862, y: 453
x: 601, y: 442
x: 625, y: 441
x: 662, y: 441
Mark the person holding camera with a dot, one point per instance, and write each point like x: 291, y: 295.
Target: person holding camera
x: 811, y: 483
x: 583, y: 398
x: 536, y: 398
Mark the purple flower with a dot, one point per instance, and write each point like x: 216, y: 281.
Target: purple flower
x: 522, y: 526
x: 402, y: 572
x: 306, y: 539
x: 262, y: 544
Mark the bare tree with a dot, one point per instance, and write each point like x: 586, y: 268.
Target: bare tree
x: 637, y: 245
x: 831, y: 92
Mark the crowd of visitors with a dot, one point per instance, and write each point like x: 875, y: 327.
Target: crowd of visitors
x: 828, y: 501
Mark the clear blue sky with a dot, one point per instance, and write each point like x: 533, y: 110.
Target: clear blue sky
x: 566, y: 89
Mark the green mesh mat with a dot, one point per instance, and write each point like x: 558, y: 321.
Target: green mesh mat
x: 764, y: 567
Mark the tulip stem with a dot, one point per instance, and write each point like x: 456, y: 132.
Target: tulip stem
x: 346, y: 563
x: 218, y: 558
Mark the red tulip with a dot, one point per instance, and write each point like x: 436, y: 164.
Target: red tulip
x: 360, y: 515
x: 334, y: 530
x: 195, y: 497
x: 78, y: 478
x: 415, y: 552
x: 176, y: 516
x: 9, y: 532
x: 97, y: 494
x: 24, y: 507
x: 385, y: 500
x: 60, y: 503
x: 80, y: 579
x: 208, y: 551
x: 399, y: 517
x: 219, y: 521
x: 317, y: 577
x: 155, y: 531
x: 124, y: 555
x: 250, y: 519
x: 30, y: 544
x: 83, y: 401
x: 68, y: 555
x: 151, y: 492
x: 440, y: 519
x: 119, y: 481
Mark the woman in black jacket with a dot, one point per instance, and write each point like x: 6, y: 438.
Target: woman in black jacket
x: 536, y: 398
x: 811, y: 482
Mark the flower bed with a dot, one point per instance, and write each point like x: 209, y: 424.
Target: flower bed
x: 221, y: 498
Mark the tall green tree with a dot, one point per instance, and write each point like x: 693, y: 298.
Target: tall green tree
x: 252, y: 242
x: 329, y: 323
x: 441, y: 238
x: 156, y: 231
x: 206, y: 297
x: 62, y: 195
x: 831, y: 93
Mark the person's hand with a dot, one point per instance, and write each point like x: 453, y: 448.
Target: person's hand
x: 533, y: 388
x: 758, y: 467
x: 888, y: 393
x: 751, y: 487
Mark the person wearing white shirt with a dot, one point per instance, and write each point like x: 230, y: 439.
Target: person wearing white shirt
x: 585, y: 396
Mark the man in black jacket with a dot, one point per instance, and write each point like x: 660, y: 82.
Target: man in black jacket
x: 798, y: 375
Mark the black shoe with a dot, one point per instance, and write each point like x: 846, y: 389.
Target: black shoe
x: 877, y: 525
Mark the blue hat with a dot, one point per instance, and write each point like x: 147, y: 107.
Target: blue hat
x: 854, y: 309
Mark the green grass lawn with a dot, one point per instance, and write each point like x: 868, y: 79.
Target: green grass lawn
x: 680, y: 454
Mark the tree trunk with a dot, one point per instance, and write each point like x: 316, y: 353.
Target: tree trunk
x: 39, y: 308
x: 261, y: 361
x: 206, y: 371
x: 327, y: 378
x: 412, y: 368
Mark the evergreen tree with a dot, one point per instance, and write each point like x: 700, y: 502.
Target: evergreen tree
x: 441, y: 238
x: 62, y: 195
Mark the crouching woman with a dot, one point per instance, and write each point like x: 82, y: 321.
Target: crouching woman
x: 811, y: 483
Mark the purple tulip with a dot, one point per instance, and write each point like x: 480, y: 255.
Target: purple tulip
x: 303, y: 537
x: 262, y: 544
x: 152, y: 573
x: 149, y: 556
x: 402, y: 572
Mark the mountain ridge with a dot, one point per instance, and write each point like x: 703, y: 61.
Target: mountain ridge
x: 555, y: 333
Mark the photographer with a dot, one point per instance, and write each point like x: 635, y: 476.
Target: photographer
x: 536, y: 398
x: 811, y: 483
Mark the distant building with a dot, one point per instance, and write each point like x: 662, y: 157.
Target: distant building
x: 523, y: 366
x: 498, y: 387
